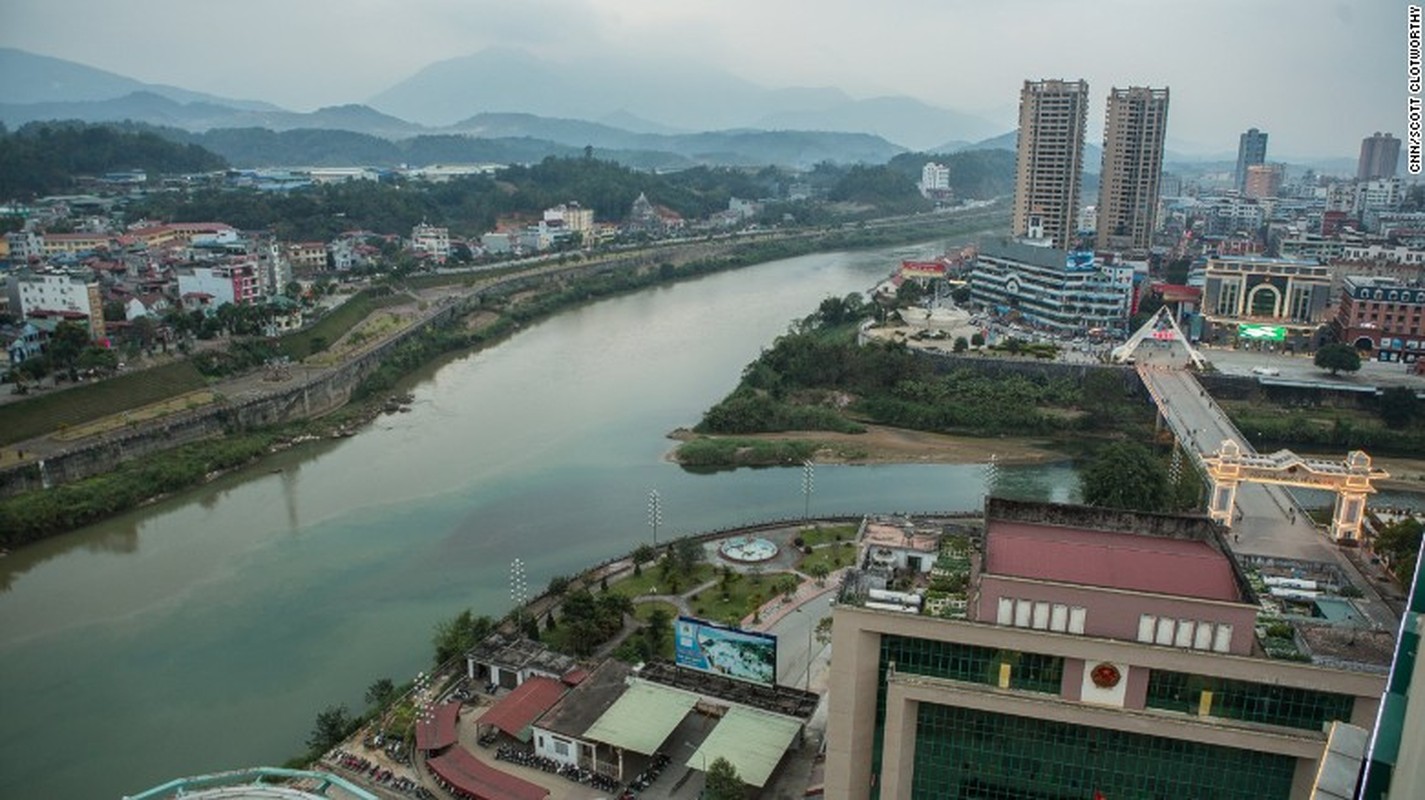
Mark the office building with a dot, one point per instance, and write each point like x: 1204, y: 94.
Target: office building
x: 1049, y: 160
x: 1058, y: 290
x: 1101, y: 653
x: 1382, y: 317
x: 1279, y: 292
x: 1137, y: 119
x: 1263, y: 180
x: 1251, y: 149
x: 1379, y: 154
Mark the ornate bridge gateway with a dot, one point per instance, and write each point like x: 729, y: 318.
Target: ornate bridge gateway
x: 1349, y: 479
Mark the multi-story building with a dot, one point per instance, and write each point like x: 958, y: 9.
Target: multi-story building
x: 211, y: 286
x: 308, y: 255
x: 54, y: 293
x: 1263, y: 180
x: 25, y: 245
x: 1049, y: 161
x: 1240, y: 290
x: 68, y: 244
x: 1050, y: 288
x: 1379, y: 154
x: 934, y: 178
x: 1101, y: 654
x: 1382, y: 316
x: 1136, y: 122
x: 1251, y: 149
x: 431, y: 241
x: 1377, y: 197
x: 572, y: 218
x: 1225, y: 216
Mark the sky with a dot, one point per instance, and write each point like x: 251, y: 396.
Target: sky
x: 1318, y: 75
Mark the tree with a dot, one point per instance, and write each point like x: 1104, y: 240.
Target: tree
x: 687, y: 554
x: 333, y: 725
x: 643, y: 554
x: 819, y: 571
x: 1128, y: 476
x: 66, y: 344
x: 723, y: 782
x: 961, y: 344
x: 460, y: 633
x: 823, y: 630
x: 1337, y: 357
x: 1399, y: 543
x: 658, y: 628
x: 977, y: 340
x: 1397, y: 406
x: 380, y: 692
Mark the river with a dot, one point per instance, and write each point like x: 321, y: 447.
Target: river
x: 206, y: 631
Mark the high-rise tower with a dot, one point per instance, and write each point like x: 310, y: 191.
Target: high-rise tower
x: 1132, y: 164
x: 1052, y: 115
x: 1251, y: 149
x: 1379, y: 154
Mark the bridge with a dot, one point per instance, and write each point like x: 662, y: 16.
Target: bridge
x: 1248, y: 489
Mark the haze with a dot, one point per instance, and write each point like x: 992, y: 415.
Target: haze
x: 1317, y: 75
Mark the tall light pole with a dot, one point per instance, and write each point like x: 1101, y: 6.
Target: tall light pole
x: 655, y: 514
x: 808, y: 486
x: 519, y: 590
x: 810, y: 627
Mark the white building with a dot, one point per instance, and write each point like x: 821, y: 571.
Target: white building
x: 934, y: 178
x: 1065, y: 291
x: 25, y: 245
x: 432, y: 241
x: 55, y: 293
x: 572, y: 217
x: 235, y: 282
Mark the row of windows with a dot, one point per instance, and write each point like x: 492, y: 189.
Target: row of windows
x: 965, y: 753
x: 1040, y: 615
x: 1188, y: 633
x: 1305, y: 709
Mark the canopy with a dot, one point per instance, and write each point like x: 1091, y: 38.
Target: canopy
x: 482, y: 781
x: 439, y: 731
x: 642, y: 718
x: 516, y: 710
x: 753, y: 741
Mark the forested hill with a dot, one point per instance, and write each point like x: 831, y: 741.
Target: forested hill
x: 45, y: 158
x: 973, y: 173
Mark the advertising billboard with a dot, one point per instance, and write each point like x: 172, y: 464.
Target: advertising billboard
x: 745, y: 655
x: 1261, y: 333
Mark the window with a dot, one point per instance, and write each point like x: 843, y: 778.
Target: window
x: 561, y: 747
x: 1222, y: 641
x: 1006, y: 611
x: 1041, y: 616
x: 1185, y: 633
x: 1146, y: 625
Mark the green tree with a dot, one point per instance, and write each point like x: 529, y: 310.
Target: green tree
x: 66, y: 344
x: 1337, y: 357
x: 723, y: 782
x: 658, y: 629
x: 687, y: 554
x: 977, y: 340
x: 643, y: 554
x: 823, y: 630
x: 333, y: 725
x: 1397, y: 406
x: 1128, y: 476
x: 1399, y: 543
x: 380, y: 692
x: 460, y: 633
x: 819, y: 571
x: 961, y: 344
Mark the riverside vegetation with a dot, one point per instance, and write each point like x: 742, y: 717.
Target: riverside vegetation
x: 34, y: 515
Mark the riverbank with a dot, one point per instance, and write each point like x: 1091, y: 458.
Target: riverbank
x: 881, y: 444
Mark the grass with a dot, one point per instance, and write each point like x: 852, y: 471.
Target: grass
x: 652, y: 577
x: 745, y: 593
x: 46, y: 413
x: 334, y: 325
x: 834, y: 556
x: 113, y: 422
x: 824, y: 534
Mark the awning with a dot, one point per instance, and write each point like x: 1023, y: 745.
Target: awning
x: 642, y: 718
x: 439, y: 731
x: 516, y: 710
x: 752, y: 741
x: 482, y: 781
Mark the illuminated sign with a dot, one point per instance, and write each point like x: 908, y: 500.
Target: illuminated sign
x: 1261, y: 333
x: 745, y: 655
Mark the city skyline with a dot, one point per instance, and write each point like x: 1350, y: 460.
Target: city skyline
x: 1325, y: 61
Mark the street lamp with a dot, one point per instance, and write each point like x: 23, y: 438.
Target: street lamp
x: 810, y: 627
x: 519, y: 589
x: 808, y: 485
x: 655, y: 513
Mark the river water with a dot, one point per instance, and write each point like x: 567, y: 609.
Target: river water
x: 206, y: 631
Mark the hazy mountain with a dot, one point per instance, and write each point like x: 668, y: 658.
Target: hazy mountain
x: 1093, y: 154
x: 33, y: 78
x: 156, y: 109
x: 656, y: 95
x: 903, y: 120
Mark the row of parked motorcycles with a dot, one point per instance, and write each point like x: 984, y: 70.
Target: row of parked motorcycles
x: 381, y: 775
x: 529, y: 758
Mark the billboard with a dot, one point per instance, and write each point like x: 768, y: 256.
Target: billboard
x: 707, y: 647
x: 1261, y: 333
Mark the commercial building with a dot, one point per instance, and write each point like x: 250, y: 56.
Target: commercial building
x: 1265, y: 291
x: 934, y: 178
x: 203, y: 286
x: 1049, y: 160
x: 432, y: 241
x: 1137, y: 119
x: 1382, y: 316
x: 1379, y: 154
x: 1251, y: 149
x: 1264, y: 180
x: 1050, y: 288
x: 1102, y: 654
x: 55, y: 293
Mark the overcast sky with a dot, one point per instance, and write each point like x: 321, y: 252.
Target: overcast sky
x: 1318, y: 75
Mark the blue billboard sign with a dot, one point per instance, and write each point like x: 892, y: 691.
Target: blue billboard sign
x: 720, y: 650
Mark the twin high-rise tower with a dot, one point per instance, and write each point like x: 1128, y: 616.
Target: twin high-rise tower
x: 1052, y: 117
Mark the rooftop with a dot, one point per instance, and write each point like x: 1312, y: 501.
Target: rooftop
x: 882, y: 535
x: 588, y: 701
x: 517, y: 654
